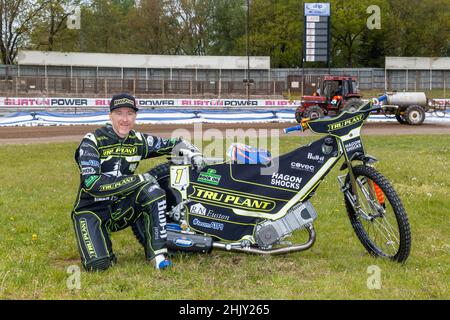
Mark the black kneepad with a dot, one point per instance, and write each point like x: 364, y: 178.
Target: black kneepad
x: 149, y: 192
x: 100, y: 264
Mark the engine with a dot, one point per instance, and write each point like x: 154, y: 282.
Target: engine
x: 270, y: 232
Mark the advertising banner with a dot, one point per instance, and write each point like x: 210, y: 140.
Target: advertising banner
x: 145, y: 103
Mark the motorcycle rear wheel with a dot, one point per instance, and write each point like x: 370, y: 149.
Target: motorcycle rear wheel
x: 384, y: 231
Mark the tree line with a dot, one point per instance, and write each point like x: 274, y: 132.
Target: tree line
x: 362, y: 31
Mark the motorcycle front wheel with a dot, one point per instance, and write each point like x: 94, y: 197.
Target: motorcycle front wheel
x: 380, y: 220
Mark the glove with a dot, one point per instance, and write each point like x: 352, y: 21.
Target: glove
x: 183, y: 144
x: 147, y: 177
x: 198, y: 162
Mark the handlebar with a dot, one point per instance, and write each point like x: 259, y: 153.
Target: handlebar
x: 381, y: 98
x: 294, y: 128
x: 300, y: 127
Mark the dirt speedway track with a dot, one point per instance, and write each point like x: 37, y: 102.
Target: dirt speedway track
x: 46, y: 134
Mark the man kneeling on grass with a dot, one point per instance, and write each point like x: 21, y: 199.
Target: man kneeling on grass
x: 111, y: 197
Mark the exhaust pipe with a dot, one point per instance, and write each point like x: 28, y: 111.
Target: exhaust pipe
x: 294, y: 248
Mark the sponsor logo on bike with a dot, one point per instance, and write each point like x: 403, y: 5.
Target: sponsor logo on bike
x: 316, y: 157
x: 209, y: 225
x: 232, y: 200
x: 285, y: 180
x: 183, y: 242
x: 198, y: 209
x: 346, y: 123
x: 353, y: 145
x: 201, y: 210
x: 302, y: 167
x: 209, y: 177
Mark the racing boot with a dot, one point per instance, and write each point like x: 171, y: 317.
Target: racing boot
x: 162, y: 262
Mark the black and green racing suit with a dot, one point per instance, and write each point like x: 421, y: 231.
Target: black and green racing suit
x: 111, y: 197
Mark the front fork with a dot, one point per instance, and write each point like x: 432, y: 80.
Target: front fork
x: 346, y: 189
x: 353, y: 198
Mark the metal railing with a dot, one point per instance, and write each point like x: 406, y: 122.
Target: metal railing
x: 103, y: 87
x: 14, y: 85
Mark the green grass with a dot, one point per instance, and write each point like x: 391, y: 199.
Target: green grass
x: 39, y: 183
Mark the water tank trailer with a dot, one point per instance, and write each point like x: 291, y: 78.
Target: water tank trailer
x: 408, y: 107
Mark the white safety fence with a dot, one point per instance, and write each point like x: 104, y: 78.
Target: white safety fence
x: 178, y: 117
x: 164, y: 111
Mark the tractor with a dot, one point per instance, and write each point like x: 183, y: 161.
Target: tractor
x: 334, y: 95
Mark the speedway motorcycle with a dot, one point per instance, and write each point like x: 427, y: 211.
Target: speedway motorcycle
x: 231, y: 206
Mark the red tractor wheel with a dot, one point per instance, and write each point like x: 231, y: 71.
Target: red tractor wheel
x: 313, y: 112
